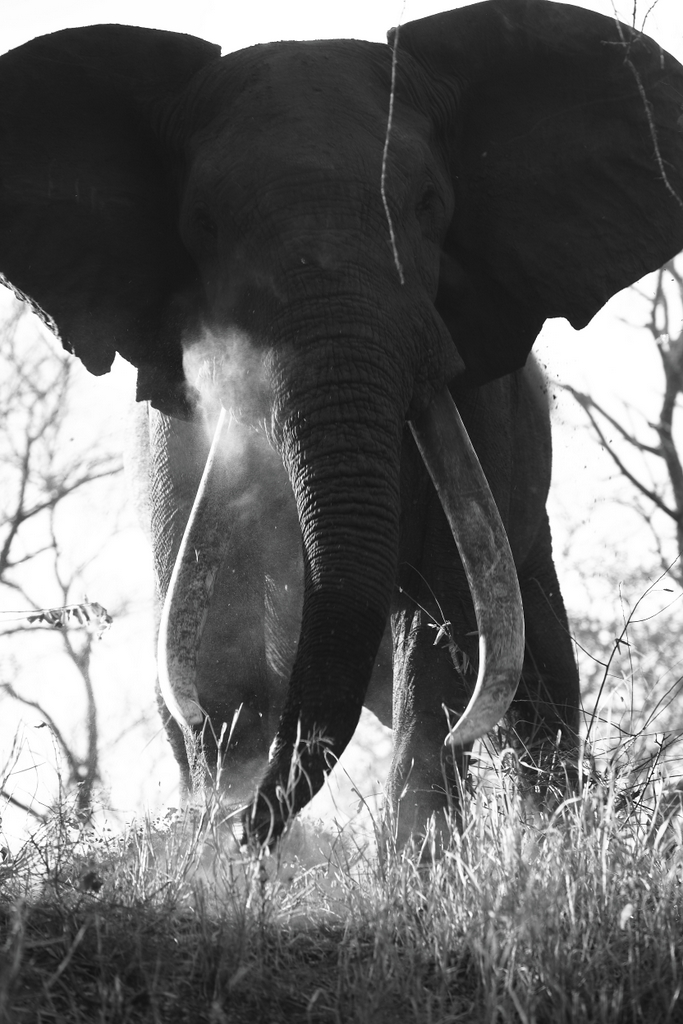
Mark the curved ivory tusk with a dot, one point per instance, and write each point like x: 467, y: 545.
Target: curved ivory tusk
x: 189, y: 592
x: 485, y: 552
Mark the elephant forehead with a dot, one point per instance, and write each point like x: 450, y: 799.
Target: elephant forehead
x: 300, y: 94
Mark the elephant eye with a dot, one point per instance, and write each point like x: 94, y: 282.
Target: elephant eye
x: 429, y: 210
x: 204, y: 221
x: 428, y: 198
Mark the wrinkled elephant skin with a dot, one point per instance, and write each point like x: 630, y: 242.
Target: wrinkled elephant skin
x: 250, y: 232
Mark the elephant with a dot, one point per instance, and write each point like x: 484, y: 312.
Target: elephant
x: 340, y: 244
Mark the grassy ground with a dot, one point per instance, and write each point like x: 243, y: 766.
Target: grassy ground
x: 575, y: 918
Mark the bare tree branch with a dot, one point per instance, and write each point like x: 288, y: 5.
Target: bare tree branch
x: 49, y: 720
x: 37, y: 477
x: 588, y: 405
x: 21, y: 805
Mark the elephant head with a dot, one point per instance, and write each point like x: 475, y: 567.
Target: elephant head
x: 368, y: 224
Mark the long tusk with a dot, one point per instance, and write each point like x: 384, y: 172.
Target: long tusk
x: 485, y: 552
x: 189, y: 592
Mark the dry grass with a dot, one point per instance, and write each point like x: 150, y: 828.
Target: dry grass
x: 574, y: 918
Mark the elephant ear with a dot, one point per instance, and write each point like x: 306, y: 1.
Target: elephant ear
x: 566, y: 154
x: 88, y: 215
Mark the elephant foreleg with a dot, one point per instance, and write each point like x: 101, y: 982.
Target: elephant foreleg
x: 545, y: 713
x: 435, y: 668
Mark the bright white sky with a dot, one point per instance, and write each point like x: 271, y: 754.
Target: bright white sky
x: 608, y: 358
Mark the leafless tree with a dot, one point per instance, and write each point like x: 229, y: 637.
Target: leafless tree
x: 629, y: 652
x: 41, y: 471
x: 657, y: 474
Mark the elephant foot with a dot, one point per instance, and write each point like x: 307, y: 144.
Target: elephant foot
x: 425, y: 796
x: 423, y: 836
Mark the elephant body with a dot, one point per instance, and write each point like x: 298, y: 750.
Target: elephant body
x: 329, y: 241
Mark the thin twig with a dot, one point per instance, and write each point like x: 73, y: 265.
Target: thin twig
x: 647, y: 107
x: 385, y: 156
